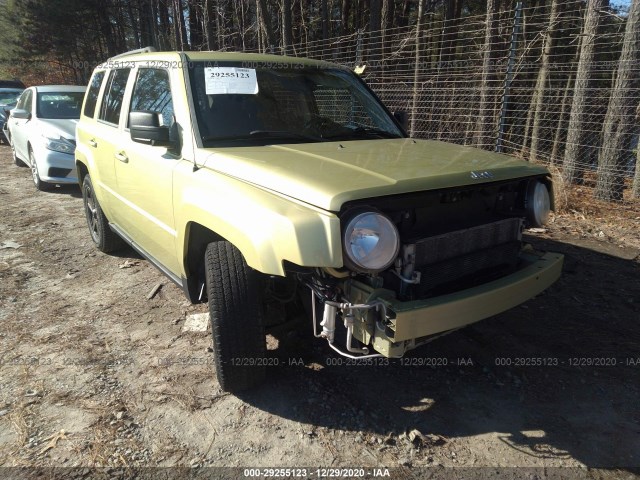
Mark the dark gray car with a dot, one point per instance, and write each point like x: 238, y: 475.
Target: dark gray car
x: 8, y: 99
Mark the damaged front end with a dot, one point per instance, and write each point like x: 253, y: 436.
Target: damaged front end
x: 420, y: 265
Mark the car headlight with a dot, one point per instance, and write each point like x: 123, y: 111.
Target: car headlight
x: 538, y: 203
x: 61, y: 145
x: 370, y: 242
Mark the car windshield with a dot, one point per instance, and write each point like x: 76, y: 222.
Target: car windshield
x: 236, y: 105
x: 9, y: 97
x: 60, y: 105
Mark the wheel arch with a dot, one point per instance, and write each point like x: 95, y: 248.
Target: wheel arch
x: 81, y: 171
x: 197, y: 238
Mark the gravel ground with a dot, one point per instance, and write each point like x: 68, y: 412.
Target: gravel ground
x: 96, y: 374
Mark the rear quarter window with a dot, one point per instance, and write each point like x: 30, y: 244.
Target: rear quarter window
x: 92, y: 95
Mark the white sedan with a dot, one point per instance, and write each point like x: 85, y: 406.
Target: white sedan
x: 42, y: 129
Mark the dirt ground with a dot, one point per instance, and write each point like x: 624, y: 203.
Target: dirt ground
x: 95, y: 374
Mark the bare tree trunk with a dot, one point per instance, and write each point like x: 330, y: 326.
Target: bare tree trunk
x: 147, y: 20
x: 453, y: 12
x: 485, y: 116
x: 577, y: 139
x: 325, y: 20
x: 164, y: 30
x: 208, y: 12
x: 241, y: 15
x: 196, y: 26
x: 135, y: 28
x: 561, y: 121
x: 345, y: 12
x: 619, y: 123
x: 107, y: 33
x: 375, y: 25
x: 287, y: 36
x: 265, y: 19
x: 386, y: 21
x: 538, y: 102
x: 219, y: 25
x: 416, y: 71
x: 179, y: 25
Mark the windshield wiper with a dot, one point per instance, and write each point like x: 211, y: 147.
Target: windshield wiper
x: 360, y: 132
x: 256, y: 134
x: 284, y: 134
x: 375, y: 132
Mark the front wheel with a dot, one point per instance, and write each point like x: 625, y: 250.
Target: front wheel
x: 237, y: 326
x: 40, y: 185
x: 104, y: 238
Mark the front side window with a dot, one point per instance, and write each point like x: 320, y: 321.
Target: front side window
x: 92, y: 95
x: 112, y: 102
x: 63, y: 105
x: 25, y: 101
x: 249, y: 106
x: 152, y: 93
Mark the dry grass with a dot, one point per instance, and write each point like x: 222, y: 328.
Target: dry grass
x: 579, y: 212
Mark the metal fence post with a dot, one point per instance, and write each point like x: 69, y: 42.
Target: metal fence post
x: 509, y: 76
x: 359, y: 48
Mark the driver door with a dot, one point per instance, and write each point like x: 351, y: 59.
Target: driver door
x: 144, y: 173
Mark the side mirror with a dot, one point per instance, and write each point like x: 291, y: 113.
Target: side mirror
x: 146, y: 127
x: 20, y: 113
x: 402, y: 118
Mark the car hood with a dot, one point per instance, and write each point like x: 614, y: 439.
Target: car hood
x: 329, y: 174
x: 55, y: 128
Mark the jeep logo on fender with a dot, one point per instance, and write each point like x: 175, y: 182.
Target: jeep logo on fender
x: 479, y: 175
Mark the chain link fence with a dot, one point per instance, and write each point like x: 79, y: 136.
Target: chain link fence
x: 503, y: 81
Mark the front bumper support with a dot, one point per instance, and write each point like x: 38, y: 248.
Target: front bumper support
x: 409, y: 324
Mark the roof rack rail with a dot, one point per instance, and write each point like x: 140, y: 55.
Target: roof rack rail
x: 133, y: 52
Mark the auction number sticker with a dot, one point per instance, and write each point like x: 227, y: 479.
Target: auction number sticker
x: 226, y: 80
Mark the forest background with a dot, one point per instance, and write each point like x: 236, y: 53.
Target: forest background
x: 550, y: 81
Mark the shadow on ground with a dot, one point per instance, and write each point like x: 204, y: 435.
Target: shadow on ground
x: 558, y: 377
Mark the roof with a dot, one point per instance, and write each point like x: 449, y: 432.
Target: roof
x: 60, y: 88
x: 212, y: 56
x: 11, y: 84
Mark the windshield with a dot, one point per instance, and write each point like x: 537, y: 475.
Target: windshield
x: 59, y: 104
x: 9, y: 97
x: 237, y: 106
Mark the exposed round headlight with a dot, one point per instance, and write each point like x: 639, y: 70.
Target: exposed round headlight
x: 538, y: 204
x: 371, y: 242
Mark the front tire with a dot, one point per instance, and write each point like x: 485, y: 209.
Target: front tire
x: 40, y: 185
x: 104, y: 238
x: 237, y: 326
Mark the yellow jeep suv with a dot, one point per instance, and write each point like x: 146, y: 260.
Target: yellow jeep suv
x: 273, y: 187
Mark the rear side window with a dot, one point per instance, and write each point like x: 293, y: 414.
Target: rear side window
x: 112, y: 102
x: 92, y: 95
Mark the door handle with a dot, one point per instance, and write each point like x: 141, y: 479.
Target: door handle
x: 93, y: 143
x: 122, y: 157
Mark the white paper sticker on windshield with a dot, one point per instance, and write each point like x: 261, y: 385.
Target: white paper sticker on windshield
x: 225, y: 80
